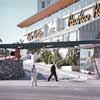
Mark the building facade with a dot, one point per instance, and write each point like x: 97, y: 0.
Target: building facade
x: 71, y: 20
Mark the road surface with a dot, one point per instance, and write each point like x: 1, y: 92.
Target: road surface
x: 49, y: 93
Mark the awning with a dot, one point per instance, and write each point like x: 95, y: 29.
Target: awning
x: 64, y: 44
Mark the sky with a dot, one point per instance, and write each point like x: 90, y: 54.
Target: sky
x: 13, y: 12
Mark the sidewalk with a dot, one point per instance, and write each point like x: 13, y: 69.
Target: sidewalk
x: 64, y: 74
x: 52, y: 83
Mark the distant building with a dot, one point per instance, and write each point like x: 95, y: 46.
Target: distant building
x: 42, y: 4
x: 65, y: 20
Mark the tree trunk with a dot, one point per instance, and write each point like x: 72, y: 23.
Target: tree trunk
x: 97, y: 70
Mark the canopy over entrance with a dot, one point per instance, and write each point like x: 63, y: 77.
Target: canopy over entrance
x: 64, y: 44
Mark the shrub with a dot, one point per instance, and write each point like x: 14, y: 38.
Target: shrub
x: 45, y: 56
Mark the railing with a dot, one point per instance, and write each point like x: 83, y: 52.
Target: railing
x: 2, y: 57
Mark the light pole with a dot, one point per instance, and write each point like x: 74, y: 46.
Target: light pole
x: 0, y: 48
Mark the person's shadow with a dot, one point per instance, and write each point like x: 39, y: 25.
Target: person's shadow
x: 27, y: 76
x: 40, y: 76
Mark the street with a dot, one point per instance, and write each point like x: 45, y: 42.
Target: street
x: 49, y: 93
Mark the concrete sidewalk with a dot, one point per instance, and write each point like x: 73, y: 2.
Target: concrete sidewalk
x: 53, y: 83
x: 64, y: 74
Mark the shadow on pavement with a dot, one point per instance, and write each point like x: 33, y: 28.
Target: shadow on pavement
x: 27, y: 76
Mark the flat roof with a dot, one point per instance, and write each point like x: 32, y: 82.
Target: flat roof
x: 46, y: 12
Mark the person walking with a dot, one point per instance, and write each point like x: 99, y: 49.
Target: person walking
x: 34, y: 76
x: 53, y: 72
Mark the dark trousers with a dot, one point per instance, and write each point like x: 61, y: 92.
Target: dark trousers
x: 55, y: 75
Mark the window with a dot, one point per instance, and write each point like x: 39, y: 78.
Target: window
x: 43, y: 4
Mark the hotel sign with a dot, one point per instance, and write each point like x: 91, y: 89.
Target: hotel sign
x: 96, y: 10
x: 38, y: 33
x: 82, y: 17
x: 30, y: 36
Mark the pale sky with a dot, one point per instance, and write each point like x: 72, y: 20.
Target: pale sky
x: 13, y: 12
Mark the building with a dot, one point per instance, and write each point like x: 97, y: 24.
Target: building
x: 42, y: 4
x: 65, y: 20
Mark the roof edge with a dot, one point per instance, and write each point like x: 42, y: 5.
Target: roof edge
x: 46, y: 12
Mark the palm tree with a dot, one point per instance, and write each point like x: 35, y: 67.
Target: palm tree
x: 97, y: 55
x: 1, y: 50
x: 73, y: 56
x: 57, y: 57
x: 0, y: 40
x: 21, y: 41
x: 45, y: 55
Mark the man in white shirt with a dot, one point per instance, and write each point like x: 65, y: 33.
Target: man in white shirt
x: 34, y: 76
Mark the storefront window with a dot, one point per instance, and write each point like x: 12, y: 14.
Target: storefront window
x: 67, y: 35
x: 85, y: 60
x: 72, y: 36
x: 98, y: 36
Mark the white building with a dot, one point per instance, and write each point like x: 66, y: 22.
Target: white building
x: 64, y: 20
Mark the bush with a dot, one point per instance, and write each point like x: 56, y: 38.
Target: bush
x: 59, y: 63
x: 45, y: 56
x: 50, y: 59
x: 38, y: 60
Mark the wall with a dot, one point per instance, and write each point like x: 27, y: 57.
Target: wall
x: 11, y: 69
